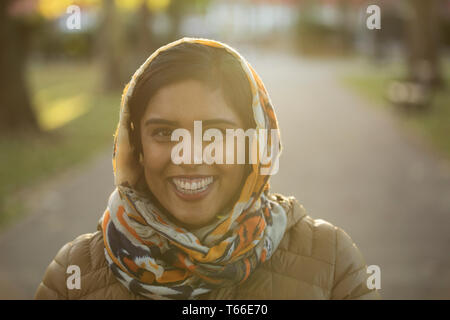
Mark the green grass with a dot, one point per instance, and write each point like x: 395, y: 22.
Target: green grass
x: 79, y: 121
x: 371, y: 82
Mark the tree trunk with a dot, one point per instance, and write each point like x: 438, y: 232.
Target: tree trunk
x: 16, y: 112
x: 109, y: 47
x: 345, y: 34
x: 176, y: 10
x: 423, y: 45
x: 144, y: 45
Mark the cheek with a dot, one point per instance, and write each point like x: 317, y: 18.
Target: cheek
x: 156, y: 157
x: 232, y: 174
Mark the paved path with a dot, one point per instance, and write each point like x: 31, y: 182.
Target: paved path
x: 348, y: 162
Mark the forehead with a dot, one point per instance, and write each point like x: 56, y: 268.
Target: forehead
x: 189, y: 100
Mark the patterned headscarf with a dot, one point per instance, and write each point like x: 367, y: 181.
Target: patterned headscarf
x: 154, y: 257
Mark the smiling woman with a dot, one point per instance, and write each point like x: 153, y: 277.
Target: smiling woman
x: 196, y: 230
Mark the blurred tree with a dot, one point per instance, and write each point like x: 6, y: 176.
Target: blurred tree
x: 318, y: 35
x: 16, y: 112
x: 112, y: 36
x: 145, y: 36
x: 344, y: 32
x: 20, y: 20
x: 178, y: 8
x: 144, y: 42
x: 140, y: 39
x: 109, y: 46
x: 392, y: 29
x: 423, y: 28
x: 17, y: 27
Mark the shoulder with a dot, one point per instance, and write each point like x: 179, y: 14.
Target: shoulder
x: 316, y: 238
x: 86, y: 254
x: 318, y: 253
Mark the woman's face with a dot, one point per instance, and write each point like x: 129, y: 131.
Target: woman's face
x: 193, y: 193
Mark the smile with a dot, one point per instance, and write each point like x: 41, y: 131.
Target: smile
x: 192, y: 187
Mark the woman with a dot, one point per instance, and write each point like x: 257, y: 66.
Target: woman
x: 196, y: 230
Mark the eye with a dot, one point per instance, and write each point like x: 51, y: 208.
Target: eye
x: 222, y: 130
x: 162, y: 134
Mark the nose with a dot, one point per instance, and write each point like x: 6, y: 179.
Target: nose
x: 188, y: 151
x: 196, y: 155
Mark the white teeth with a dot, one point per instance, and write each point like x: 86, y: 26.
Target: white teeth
x: 190, y: 186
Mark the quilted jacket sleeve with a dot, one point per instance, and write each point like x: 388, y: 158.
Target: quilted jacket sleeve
x: 350, y: 276
x: 53, y: 285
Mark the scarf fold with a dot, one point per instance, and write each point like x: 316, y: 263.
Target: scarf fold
x: 155, y: 258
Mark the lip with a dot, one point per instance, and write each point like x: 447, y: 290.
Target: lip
x: 192, y: 197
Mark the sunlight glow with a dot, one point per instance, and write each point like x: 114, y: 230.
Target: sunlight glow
x: 62, y: 112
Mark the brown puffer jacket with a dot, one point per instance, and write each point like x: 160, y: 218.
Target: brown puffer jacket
x: 315, y: 260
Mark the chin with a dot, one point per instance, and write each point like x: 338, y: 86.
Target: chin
x: 190, y: 219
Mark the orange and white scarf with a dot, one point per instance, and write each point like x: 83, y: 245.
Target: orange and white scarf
x: 154, y: 257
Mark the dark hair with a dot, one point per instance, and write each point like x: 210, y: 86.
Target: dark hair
x: 215, y: 67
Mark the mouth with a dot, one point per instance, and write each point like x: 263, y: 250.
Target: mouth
x: 192, y: 188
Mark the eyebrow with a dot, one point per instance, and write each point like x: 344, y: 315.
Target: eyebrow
x: 175, y: 123
x: 160, y: 121
x: 218, y: 121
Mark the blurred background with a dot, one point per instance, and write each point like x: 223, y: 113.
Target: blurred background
x: 361, y: 93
